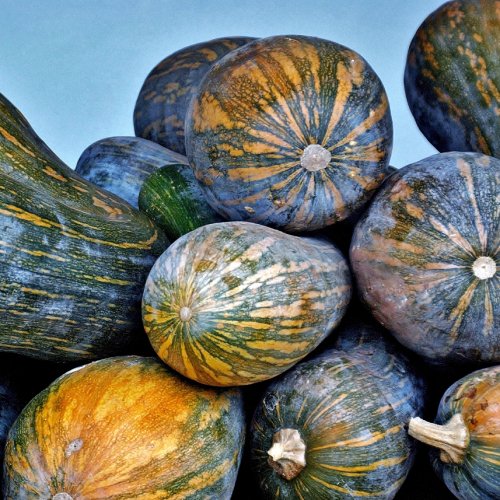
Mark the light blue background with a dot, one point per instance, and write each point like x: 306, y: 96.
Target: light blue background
x: 74, y: 68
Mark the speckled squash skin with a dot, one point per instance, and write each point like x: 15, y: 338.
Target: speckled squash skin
x: 425, y: 256
x: 121, y: 164
x: 452, y: 77
x: 258, y: 113
x: 351, y: 414
x: 161, y: 106
x: 235, y: 303
x: 73, y: 258
x: 173, y: 199
x: 125, y: 427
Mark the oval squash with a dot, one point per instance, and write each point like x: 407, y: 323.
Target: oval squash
x: 425, y: 256
x: 452, y: 77
x: 466, y: 436
x: 292, y: 132
x: 235, y: 303
x: 73, y: 258
x: 125, y: 427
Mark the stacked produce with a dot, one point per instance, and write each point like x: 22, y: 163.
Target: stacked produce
x: 254, y: 157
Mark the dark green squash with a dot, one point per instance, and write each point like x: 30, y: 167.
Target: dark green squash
x: 466, y: 436
x: 121, y: 164
x: 173, y: 199
x: 426, y: 257
x: 73, y: 258
x: 452, y: 77
x: 161, y: 106
x: 292, y: 132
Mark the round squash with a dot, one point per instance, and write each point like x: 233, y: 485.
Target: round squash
x: 334, y: 427
x: 235, y: 303
x: 121, y: 164
x: 125, y: 427
x: 292, y: 132
x: 173, y: 199
x: 426, y: 253
x: 466, y: 436
x: 452, y: 77
x: 161, y: 106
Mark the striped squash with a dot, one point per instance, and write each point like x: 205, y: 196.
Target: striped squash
x: 466, y: 436
x: 452, y: 77
x: 172, y: 198
x: 121, y: 164
x: 125, y: 427
x: 292, y: 132
x: 161, y: 106
x: 335, y: 427
x: 425, y: 256
x: 73, y: 258
x: 235, y: 303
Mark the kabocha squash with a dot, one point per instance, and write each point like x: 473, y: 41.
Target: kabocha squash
x: 73, y: 258
x: 125, y: 427
x: 121, y: 164
x: 425, y: 256
x: 452, y: 77
x: 334, y: 427
x: 466, y: 436
x: 173, y: 199
x: 235, y: 303
x: 292, y: 132
x: 161, y: 106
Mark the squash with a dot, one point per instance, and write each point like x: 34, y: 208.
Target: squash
x: 172, y: 198
x: 73, y: 258
x: 121, y: 164
x: 335, y: 427
x: 292, y: 132
x: 235, y: 303
x: 452, y: 77
x: 161, y: 106
x: 425, y: 257
x: 125, y: 427
x: 466, y: 436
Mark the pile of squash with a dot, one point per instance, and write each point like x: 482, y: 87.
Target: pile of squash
x: 246, y: 300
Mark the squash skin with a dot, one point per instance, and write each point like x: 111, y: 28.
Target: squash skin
x: 161, y: 106
x: 452, y: 77
x: 255, y: 302
x: 356, y: 441
x: 73, y: 258
x: 413, y: 251
x: 121, y: 164
x: 258, y: 109
x: 172, y: 198
x: 125, y: 427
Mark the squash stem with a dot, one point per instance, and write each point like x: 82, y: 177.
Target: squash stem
x: 451, y: 438
x: 287, y: 455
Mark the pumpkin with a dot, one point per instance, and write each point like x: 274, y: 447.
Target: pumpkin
x: 161, y: 106
x: 334, y: 427
x: 292, y: 132
x: 425, y: 257
x: 73, y: 258
x: 172, y: 198
x: 121, y: 164
x: 466, y: 436
x: 234, y: 303
x: 125, y: 427
x: 452, y: 77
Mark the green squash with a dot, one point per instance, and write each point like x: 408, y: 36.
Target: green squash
x: 466, y: 436
x: 235, y: 303
x: 73, y: 258
x: 125, y: 427
x: 291, y: 132
x: 452, y: 77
